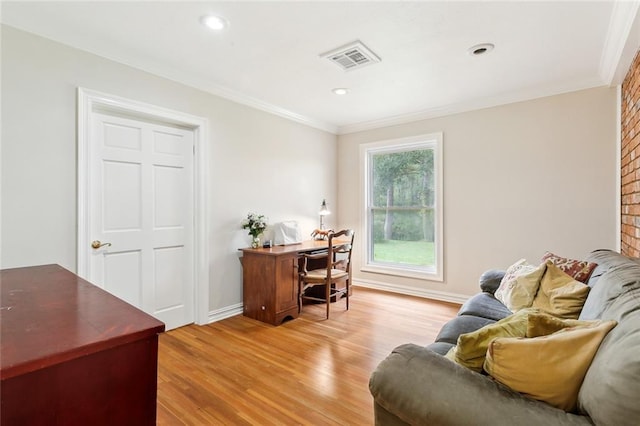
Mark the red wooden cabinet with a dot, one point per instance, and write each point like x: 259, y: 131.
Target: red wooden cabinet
x: 73, y: 354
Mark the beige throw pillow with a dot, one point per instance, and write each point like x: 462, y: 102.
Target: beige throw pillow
x: 520, y: 284
x: 555, y: 364
x: 559, y: 294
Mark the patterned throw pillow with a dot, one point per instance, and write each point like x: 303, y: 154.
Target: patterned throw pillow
x: 580, y: 270
x: 520, y: 284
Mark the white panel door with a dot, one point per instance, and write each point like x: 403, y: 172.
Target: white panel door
x: 141, y: 210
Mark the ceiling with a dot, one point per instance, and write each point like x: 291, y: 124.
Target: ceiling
x: 269, y: 57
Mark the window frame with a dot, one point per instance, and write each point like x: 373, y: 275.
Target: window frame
x: 431, y: 141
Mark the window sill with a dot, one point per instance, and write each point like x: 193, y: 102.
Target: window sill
x: 403, y: 272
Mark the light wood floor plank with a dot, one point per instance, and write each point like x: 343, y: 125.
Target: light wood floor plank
x: 309, y: 371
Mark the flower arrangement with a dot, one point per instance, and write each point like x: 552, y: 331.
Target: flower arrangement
x: 256, y: 224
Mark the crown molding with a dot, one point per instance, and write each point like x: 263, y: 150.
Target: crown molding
x: 520, y: 96
x: 622, y: 42
x: 239, y: 98
x: 233, y: 96
x: 197, y: 83
x: 621, y: 45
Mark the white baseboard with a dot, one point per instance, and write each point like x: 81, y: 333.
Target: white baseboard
x: 412, y: 291
x: 226, y: 312
x: 230, y: 311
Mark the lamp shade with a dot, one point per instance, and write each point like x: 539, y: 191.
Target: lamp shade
x: 324, y: 210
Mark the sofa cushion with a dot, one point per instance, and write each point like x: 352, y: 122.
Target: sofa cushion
x: 486, y: 306
x: 620, y: 278
x: 605, y: 259
x: 559, y: 294
x: 415, y: 386
x: 462, y: 324
x: 518, y: 290
x: 440, y: 348
x: 490, y: 280
x: 611, y: 387
x: 580, y: 270
x: 554, y: 366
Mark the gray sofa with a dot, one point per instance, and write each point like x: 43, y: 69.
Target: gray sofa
x: 416, y: 385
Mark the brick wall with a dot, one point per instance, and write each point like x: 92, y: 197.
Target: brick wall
x: 630, y: 161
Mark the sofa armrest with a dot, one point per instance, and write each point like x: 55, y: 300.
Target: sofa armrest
x: 490, y: 280
x: 420, y: 387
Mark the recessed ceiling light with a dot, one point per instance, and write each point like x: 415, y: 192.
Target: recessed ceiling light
x: 214, y: 22
x: 340, y: 91
x: 481, y: 49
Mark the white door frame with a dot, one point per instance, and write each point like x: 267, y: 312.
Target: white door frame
x: 91, y: 100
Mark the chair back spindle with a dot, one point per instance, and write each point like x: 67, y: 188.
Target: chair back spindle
x: 335, y: 277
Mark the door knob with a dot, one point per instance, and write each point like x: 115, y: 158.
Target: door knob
x: 97, y: 244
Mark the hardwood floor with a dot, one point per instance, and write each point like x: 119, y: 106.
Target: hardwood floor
x: 308, y: 371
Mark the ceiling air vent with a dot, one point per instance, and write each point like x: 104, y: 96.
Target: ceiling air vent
x: 351, y: 56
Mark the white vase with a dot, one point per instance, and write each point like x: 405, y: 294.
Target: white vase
x: 255, y: 242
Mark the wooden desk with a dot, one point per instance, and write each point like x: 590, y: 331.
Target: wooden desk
x: 73, y: 354
x: 270, y: 280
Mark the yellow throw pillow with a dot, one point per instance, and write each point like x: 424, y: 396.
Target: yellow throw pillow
x: 559, y: 294
x: 472, y: 347
x: 520, y: 284
x: 543, y: 324
x: 548, y: 368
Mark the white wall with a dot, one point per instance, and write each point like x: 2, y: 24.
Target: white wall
x: 258, y: 161
x: 519, y: 179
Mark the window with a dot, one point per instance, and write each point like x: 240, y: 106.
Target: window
x: 403, y: 206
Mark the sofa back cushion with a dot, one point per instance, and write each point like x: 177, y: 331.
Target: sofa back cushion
x: 617, y: 280
x: 611, y: 388
x: 610, y: 392
x: 605, y: 259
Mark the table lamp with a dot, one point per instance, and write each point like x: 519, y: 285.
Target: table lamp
x: 324, y: 211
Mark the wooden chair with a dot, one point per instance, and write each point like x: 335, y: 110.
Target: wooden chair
x: 335, y: 276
